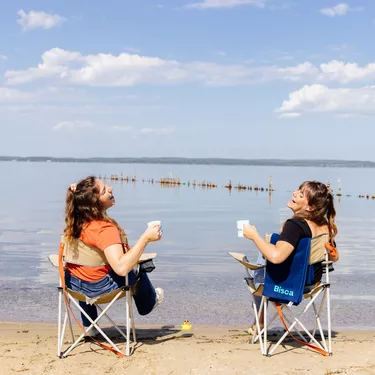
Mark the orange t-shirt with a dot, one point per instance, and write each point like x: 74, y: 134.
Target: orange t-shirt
x: 99, y: 234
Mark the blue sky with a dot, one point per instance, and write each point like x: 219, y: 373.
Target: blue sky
x: 189, y: 78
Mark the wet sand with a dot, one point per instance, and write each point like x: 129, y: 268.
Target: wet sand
x: 30, y: 348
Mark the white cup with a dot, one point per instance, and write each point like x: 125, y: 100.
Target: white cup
x: 156, y: 222
x: 240, y: 224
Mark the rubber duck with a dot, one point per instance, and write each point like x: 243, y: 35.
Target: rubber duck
x: 186, y: 326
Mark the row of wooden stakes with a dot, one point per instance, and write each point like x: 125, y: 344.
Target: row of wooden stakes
x: 175, y: 182
x: 367, y: 196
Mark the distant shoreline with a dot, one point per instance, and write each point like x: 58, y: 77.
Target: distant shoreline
x: 199, y: 161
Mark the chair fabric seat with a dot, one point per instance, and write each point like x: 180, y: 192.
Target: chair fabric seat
x: 102, y: 299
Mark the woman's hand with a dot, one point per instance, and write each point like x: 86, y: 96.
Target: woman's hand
x: 249, y: 231
x: 153, y: 233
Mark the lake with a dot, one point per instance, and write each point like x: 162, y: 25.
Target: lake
x: 201, y: 282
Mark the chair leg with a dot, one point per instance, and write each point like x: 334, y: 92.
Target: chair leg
x: 316, y: 315
x: 329, y: 321
x: 61, y: 327
x: 67, y: 318
x: 128, y: 301
x: 59, y: 324
x: 132, y: 318
x: 63, y: 330
x: 71, y: 327
x: 318, y: 323
x: 265, y: 351
x: 257, y: 332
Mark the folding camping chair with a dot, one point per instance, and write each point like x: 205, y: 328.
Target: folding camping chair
x: 79, y: 253
x: 277, y: 292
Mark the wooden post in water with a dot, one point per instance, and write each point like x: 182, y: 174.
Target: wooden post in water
x: 339, y: 188
x: 270, y: 190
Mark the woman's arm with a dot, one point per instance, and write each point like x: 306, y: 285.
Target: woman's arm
x: 122, y: 263
x: 275, y: 254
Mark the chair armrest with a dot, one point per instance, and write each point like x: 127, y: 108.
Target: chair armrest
x: 147, y: 256
x: 243, y: 260
x: 327, y: 262
x: 54, y: 259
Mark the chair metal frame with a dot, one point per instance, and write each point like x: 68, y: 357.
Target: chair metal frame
x: 109, y: 299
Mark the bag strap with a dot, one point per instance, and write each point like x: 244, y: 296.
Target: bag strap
x: 280, y: 312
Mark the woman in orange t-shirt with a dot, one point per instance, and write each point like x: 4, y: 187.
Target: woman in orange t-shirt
x: 86, y: 219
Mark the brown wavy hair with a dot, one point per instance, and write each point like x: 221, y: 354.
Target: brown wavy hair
x: 320, y: 199
x: 82, y: 206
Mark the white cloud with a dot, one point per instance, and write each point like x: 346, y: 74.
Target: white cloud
x: 290, y: 115
x: 85, y: 125
x: 124, y: 129
x: 339, y: 10
x: 65, y: 67
x: 210, y: 4
x: 35, y: 20
x: 3, y: 58
x: 8, y: 95
x: 73, y: 125
x: 294, y: 73
x: 320, y: 98
x: 143, y: 131
x: 128, y: 70
x: 342, y: 72
x: 132, y: 49
x: 157, y: 131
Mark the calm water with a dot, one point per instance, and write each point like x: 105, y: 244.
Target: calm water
x: 202, y: 283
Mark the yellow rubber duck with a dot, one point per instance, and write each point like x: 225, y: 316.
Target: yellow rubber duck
x: 186, y: 326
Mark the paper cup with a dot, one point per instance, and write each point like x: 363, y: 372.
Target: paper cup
x: 158, y: 222
x: 240, y: 224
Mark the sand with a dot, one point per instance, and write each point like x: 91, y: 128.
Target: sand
x: 30, y: 348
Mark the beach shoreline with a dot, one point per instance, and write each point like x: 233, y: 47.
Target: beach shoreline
x: 30, y: 348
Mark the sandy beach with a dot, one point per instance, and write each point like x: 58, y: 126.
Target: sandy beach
x: 30, y: 348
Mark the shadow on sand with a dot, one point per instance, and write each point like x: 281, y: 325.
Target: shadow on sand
x: 144, y: 336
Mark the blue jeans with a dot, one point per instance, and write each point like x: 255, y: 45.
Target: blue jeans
x: 144, y: 297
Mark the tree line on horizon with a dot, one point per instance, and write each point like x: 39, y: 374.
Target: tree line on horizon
x: 198, y: 161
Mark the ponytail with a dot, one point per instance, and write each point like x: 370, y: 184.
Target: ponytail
x: 331, y: 214
x: 70, y: 222
x: 320, y: 199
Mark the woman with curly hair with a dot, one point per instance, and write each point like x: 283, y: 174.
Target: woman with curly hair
x: 86, y: 219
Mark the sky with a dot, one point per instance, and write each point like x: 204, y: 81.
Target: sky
x: 188, y: 78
